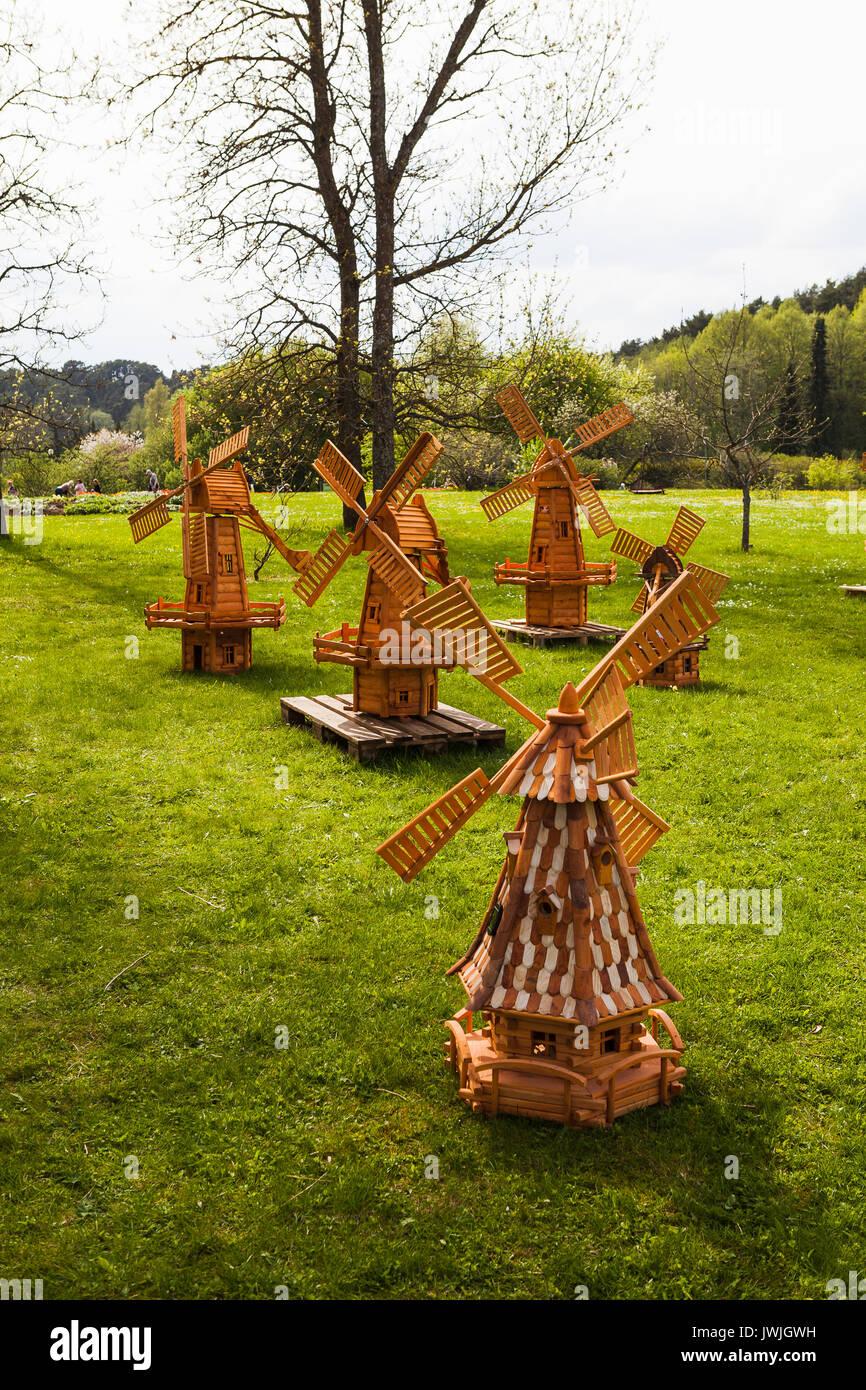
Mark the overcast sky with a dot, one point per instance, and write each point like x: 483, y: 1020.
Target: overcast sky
x: 753, y: 166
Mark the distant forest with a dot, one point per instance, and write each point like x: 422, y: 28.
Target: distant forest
x: 817, y: 299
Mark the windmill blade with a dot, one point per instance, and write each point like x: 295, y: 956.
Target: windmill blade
x: 420, y: 839
x: 330, y: 557
x: 681, y: 615
x: 609, y: 718
x: 631, y: 547
x: 518, y: 414
x: 178, y: 418
x: 600, y: 426
x: 712, y: 583
x: 686, y: 526
x: 640, y: 603
x: 340, y: 475
x: 592, y: 507
x: 409, y: 476
x: 613, y: 746
x: 455, y: 611
x: 149, y: 518
x: 637, y: 825
x: 508, y: 497
x: 196, y: 546
x: 395, y: 569
x: 229, y: 449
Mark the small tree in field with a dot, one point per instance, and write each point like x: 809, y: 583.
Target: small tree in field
x: 737, y: 411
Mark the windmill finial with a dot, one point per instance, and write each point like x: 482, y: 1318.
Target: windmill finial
x: 569, y: 710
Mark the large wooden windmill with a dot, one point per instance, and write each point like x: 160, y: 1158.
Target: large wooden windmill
x: 216, y: 617
x: 395, y: 666
x: 660, y: 566
x: 562, y: 969
x: 556, y: 576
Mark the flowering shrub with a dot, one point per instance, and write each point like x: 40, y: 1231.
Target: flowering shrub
x: 109, y: 456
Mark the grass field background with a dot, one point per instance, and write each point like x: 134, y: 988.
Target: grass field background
x: 302, y: 1167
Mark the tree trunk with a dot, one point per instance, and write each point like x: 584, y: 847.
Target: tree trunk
x: 747, y: 509
x: 350, y: 427
x: 382, y: 361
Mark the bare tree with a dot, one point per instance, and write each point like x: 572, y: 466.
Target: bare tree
x: 42, y: 263
x: 353, y: 165
x: 736, y: 408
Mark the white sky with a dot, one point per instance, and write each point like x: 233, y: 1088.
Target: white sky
x: 754, y: 158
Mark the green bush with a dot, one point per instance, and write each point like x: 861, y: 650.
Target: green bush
x: 829, y: 474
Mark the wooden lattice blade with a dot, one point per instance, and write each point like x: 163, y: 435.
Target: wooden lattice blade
x: 638, y: 827
x: 687, y: 525
x: 630, y: 546
x: 593, y: 508
x: 149, y: 518
x: 409, y: 476
x: 639, y: 605
x: 712, y: 583
x: 453, y: 610
x: 339, y: 474
x: 178, y: 416
x: 513, y: 495
x: 681, y: 615
x: 609, y: 718
x: 600, y: 426
x: 394, y: 569
x: 331, y: 555
x: 517, y: 412
x: 196, y: 557
x: 412, y: 847
x: 230, y: 448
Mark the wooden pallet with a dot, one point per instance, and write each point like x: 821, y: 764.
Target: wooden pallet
x: 520, y: 631
x: 365, y: 737
x: 851, y: 590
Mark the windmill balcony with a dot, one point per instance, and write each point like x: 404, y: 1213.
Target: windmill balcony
x: 512, y: 572
x: 178, y: 616
x: 495, y: 1084
x: 341, y: 647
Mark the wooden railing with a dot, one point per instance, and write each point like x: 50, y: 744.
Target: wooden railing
x: 511, y: 572
x: 341, y: 647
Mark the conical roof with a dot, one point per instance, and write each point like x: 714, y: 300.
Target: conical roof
x: 551, y: 765
x: 566, y: 945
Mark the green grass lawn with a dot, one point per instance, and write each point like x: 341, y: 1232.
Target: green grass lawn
x: 303, y: 1166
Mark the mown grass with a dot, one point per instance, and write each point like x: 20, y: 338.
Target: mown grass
x: 303, y: 1166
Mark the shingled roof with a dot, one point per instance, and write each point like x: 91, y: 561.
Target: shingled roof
x: 566, y: 944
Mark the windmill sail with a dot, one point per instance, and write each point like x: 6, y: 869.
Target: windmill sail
x: 631, y: 547
x: 513, y: 495
x: 149, y: 518
x: 394, y: 569
x: 417, y: 842
x: 331, y: 555
x: 518, y: 414
x: 339, y: 474
x: 408, y: 477
x: 454, y: 610
x: 638, y: 827
x: 712, y: 583
x: 687, y: 525
x: 230, y: 448
x: 600, y: 426
x: 593, y: 508
x: 178, y: 415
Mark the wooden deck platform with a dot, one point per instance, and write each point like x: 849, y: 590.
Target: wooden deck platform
x: 518, y: 630
x: 365, y: 737
x: 853, y: 590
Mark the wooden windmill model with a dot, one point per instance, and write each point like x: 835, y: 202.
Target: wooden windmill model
x: 216, y: 617
x: 556, y: 575
x: 404, y: 553
x: 660, y: 566
x: 562, y: 968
